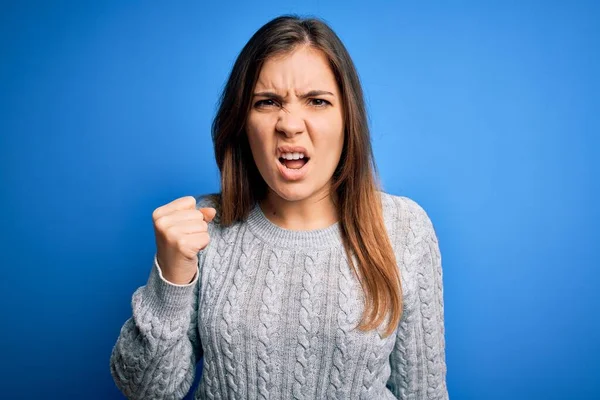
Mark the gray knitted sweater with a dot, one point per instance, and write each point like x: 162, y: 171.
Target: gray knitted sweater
x: 271, y: 312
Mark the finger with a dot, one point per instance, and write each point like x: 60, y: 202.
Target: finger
x: 209, y: 213
x: 183, y: 215
x: 188, y: 227
x: 178, y: 217
x: 197, y: 241
x: 182, y: 203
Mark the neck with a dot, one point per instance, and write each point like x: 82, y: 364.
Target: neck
x: 315, y: 212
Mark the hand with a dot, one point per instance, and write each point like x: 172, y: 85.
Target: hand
x: 181, y: 231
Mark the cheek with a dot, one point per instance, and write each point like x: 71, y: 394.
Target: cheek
x: 329, y: 149
x: 259, y: 144
x: 257, y: 128
x: 330, y: 127
x: 333, y: 142
x: 336, y: 147
x: 253, y: 133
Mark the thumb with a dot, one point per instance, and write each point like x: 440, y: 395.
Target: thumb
x: 209, y: 213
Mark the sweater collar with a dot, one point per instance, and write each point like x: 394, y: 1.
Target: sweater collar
x: 280, y: 237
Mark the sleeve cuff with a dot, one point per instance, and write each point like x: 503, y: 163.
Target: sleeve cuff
x: 166, y: 298
x: 160, y: 274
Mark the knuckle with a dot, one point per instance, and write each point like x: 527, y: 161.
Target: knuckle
x: 182, y: 243
x: 164, y: 224
x: 190, y: 201
x: 172, y: 234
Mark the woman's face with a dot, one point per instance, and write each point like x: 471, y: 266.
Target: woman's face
x: 295, y: 127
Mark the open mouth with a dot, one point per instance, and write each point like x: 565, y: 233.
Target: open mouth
x: 294, y: 164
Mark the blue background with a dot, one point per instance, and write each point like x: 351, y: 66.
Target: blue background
x: 486, y: 113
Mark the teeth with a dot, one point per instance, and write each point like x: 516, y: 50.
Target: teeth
x: 292, y: 156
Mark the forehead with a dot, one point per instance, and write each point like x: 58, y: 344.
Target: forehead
x: 304, y: 69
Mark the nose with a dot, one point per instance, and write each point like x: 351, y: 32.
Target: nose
x: 290, y: 122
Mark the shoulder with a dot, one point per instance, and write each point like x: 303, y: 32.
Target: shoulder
x: 403, y: 207
x: 403, y: 215
x: 413, y: 238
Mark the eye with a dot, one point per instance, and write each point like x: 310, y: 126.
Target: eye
x: 320, y: 103
x: 264, y: 103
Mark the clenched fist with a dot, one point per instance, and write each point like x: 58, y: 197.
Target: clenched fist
x: 181, y: 231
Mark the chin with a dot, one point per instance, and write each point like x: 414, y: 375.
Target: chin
x: 292, y: 192
x: 296, y: 191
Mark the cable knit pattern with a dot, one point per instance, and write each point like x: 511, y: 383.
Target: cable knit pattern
x: 429, y: 300
x: 274, y: 312
x: 376, y: 367
x: 339, y: 378
x: 161, y: 333
x: 270, y: 312
x: 210, y: 381
x: 231, y: 314
x: 308, y: 329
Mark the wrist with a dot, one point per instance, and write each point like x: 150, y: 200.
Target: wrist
x: 178, y: 279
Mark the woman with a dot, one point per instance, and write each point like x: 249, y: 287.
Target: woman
x: 300, y: 279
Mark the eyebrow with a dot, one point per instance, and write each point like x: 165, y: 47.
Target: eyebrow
x: 279, y: 98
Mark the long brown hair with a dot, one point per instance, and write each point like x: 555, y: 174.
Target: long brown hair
x: 354, y: 180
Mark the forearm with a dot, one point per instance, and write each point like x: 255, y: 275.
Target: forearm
x: 157, y: 349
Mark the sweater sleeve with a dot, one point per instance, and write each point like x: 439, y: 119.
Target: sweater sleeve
x: 158, y: 347
x: 418, y: 362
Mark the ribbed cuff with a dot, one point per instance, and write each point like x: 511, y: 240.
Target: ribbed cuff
x: 167, y: 298
x: 169, y: 282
